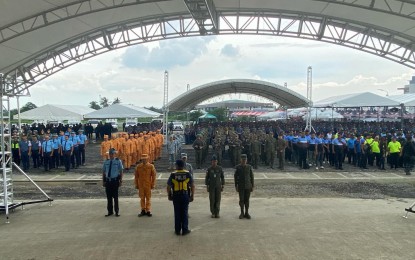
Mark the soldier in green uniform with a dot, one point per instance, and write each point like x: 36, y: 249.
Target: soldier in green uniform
x: 244, y: 184
x: 215, y: 181
x: 256, y: 151
x: 270, y: 145
x: 198, y: 146
x: 281, y: 146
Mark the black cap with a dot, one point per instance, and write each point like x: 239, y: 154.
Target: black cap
x: 214, y: 158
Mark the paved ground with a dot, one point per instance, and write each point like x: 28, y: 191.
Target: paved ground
x: 281, y: 228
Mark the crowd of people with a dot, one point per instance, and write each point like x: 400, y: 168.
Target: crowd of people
x: 361, y: 144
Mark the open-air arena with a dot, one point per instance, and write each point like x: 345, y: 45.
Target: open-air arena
x: 207, y: 129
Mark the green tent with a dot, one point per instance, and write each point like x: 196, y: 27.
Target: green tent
x: 207, y: 116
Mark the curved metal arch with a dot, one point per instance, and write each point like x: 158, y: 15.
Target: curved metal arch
x: 271, y: 91
x: 377, y: 41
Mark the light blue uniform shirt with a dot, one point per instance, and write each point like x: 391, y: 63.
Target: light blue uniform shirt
x: 82, y: 139
x: 75, y: 140
x: 56, y: 143
x: 47, y: 146
x: 67, y: 145
x: 116, y: 168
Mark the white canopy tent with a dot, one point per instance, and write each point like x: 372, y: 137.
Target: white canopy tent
x: 122, y: 111
x: 365, y: 99
x: 56, y: 113
x: 407, y: 100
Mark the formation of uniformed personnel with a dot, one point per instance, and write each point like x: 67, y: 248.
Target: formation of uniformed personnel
x: 244, y: 185
x: 145, y: 182
x: 130, y: 147
x: 112, y: 174
x: 214, y: 181
x: 178, y: 185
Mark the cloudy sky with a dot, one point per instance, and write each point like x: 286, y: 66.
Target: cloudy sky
x: 135, y: 74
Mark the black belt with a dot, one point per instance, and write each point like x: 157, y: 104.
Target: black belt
x: 112, y: 179
x: 180, y: 192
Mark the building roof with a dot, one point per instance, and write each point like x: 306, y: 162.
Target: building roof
x: 122, y: 111
x: 365, y: 99
x: 235, y: 103
x: 57, y: 113
x: 273, y: 92
x: 29, y: 52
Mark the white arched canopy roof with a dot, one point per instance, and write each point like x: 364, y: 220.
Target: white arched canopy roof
x: 278, y: 94
x: 39, y: 38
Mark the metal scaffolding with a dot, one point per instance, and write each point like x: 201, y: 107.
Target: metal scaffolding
x: 7, y: 202
x: 309, y: 97
x: 165, y: 105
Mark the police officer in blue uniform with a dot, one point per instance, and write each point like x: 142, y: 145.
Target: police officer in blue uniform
x: 83, y: 141
x: 56, y: 144
x: 25, y: 148
x: 112, y: 174
x: 47, y: 149
x: 75, y: 155
x: 66, y: 152
x: 177, y: 190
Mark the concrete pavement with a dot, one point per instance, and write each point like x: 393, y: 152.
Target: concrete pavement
x: 280, y: 228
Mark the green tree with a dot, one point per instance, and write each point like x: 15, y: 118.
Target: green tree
x: 220, y: 114
x: 94, y: 105
x: 193, y: 116
x: 158, y: 110
x: 104, y: 102
x: 117, y: 100
x: 28, y: 106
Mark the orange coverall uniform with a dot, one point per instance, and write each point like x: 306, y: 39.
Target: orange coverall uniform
x: 145, y: 181
x: 105, y: 146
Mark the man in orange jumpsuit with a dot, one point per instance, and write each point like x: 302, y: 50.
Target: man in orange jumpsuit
x: 145, y: 181
x: 105, y: 147
x: 126, y: 151
x: 131, y: 142
x: 161, y: 142
x: 146, y: 148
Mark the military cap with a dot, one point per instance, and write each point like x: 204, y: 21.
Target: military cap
x: 214, y: 158
x: 112, y: 151
x: 80, y: 130
x: 73, y: 132
x: 54, y: 134
x: 184, y: 155
x: 244, y: 156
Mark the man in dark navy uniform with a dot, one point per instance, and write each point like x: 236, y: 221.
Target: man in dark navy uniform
x: 112, y: 173
x: 178, y: 185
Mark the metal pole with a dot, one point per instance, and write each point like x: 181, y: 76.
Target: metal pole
x: 30, y: 179
x: 18, y: 113
x: 3, y: 152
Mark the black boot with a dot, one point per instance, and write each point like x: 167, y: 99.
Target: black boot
x: 142, y: 213
x: 247, y: 214
x: 242, y: 213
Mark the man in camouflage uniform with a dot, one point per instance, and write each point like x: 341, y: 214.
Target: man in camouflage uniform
x: 215, y: 181
x: 244, y: 185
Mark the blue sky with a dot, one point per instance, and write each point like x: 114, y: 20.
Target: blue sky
x: 135, y: 74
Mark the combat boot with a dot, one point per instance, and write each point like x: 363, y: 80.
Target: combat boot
x: 242, y: 213
x: 247, y: 216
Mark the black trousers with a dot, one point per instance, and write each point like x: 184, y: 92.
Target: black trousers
x: 82, y: 153
x: 16, y: 157
x: 47, y: 160
x: 111, y: 189
x: 244, y: 195
x: 55, y: 159
x: 75, y: 159
x: 302, y: 154
x: 35, y: 157
x: 67, y: 160
x: 394, y: 160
